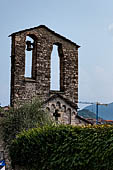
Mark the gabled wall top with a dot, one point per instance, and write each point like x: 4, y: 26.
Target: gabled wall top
x: 70, y: 103
x: 53, y: 32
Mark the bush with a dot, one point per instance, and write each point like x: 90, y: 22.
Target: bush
x: 65, y: 148
x: 30, y: 115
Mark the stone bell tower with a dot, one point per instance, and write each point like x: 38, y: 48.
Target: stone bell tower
x: 39, y: 41
x: 38, y: 84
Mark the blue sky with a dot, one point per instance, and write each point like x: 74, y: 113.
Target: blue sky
x: 89, y: 23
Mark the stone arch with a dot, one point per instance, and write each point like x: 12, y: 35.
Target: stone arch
x: 64, y: 108
x: 53, y: 108
x: 58, y: 105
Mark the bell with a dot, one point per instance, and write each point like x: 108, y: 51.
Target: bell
x: 29, y: 46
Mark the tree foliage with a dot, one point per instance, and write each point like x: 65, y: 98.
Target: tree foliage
x: 29, y: 115
x: 65, y: 148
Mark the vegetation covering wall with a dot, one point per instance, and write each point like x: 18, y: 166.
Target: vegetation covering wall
x: 64, y: 148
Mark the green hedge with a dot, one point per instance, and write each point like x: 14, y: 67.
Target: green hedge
x: 64, y: 148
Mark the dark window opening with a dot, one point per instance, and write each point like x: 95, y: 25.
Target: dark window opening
x: 64, y: 108
x: 56, y: 83
x: 58, y: 105
x: 53, y: 108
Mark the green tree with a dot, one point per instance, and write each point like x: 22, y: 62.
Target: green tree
x: 29, y: 115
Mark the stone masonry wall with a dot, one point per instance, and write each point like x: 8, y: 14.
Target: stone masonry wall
x: 23, y: 88
x: 67, y: 114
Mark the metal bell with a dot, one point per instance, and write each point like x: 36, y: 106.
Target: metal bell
x: 29, y: 46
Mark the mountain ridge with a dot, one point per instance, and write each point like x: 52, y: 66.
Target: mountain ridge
x: 105, y: 112
x: 85, y: 113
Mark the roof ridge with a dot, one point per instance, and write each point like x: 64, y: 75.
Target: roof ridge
x: 43, y: 26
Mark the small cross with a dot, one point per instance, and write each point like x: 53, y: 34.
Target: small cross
x: 56, y: 114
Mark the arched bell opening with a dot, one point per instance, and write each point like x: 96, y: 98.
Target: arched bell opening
x: 57, y: 66
x: 30, y: 56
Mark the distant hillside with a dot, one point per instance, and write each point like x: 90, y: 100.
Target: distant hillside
x: 87, y: 113
x: 106, y: 112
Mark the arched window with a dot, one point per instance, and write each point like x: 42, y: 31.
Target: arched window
x: 58, y: 105
x: 52, y: 107
x: 55, y: 69
x: 57, y: 78
x: 64, y: 108
x: 30, y: 56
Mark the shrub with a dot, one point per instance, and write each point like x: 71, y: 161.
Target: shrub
x: 30, y: 115
x: 65, y: 148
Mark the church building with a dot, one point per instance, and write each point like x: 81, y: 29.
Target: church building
x: 56, y: 87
